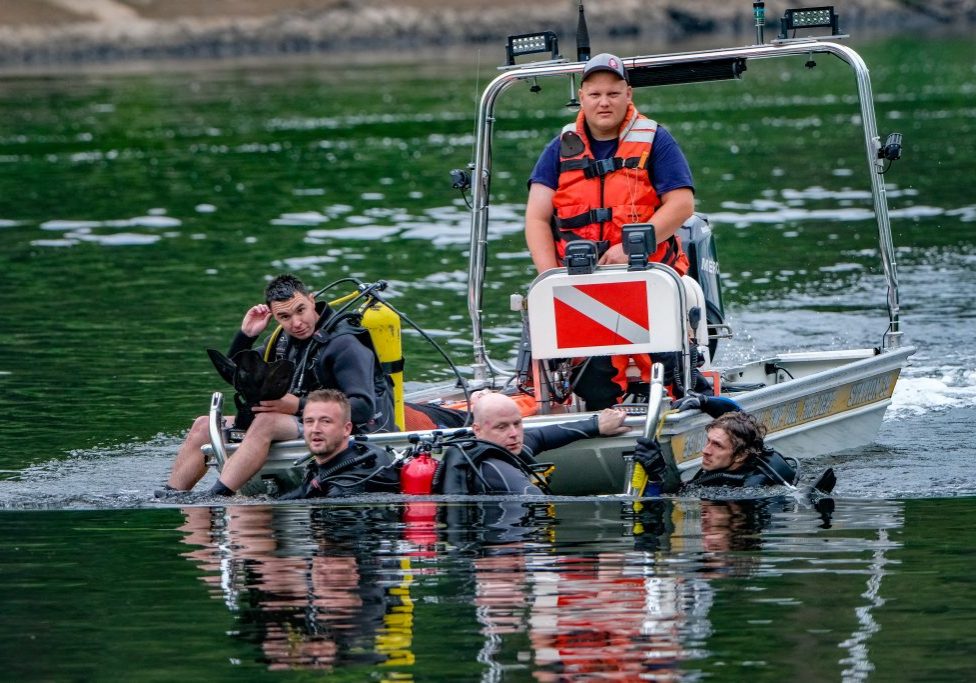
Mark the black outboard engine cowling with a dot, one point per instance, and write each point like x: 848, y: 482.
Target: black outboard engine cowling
x: 699, y: 243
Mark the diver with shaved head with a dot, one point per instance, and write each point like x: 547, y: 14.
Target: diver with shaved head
x: 501, y: 459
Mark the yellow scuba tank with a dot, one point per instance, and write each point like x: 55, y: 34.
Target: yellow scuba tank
x: 383, y: 325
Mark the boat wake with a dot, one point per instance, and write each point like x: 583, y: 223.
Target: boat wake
x: 916, y: 396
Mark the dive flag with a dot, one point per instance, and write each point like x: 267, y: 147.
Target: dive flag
x: 604, y: 314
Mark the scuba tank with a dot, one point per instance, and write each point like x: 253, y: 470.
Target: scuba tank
x: 383, y: 325
x: 417, y: 475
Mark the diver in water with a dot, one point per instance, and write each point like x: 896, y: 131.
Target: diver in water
x: 735, y: 454
x: 501, y: 459
x: 340, y: 468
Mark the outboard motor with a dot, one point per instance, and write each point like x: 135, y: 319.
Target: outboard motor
x: 699, y: 243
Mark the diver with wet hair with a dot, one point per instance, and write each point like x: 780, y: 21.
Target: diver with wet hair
x: 314, y: 348
x: 735, y: 455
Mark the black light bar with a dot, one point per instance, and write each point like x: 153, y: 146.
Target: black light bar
x: 693, y: 72
x: 809, y: 17
x: 530, y: 44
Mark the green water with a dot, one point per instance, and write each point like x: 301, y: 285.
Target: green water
x: 574, y: 592
x: 139, y: 217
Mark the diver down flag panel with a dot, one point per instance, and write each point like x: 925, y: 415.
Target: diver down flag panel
x: 607, y: 312
x: 601, y: 314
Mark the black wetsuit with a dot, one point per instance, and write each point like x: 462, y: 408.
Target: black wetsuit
x: 481, y: 467
x: 357, y: 470
x: 771, y: 469
x: 336, y: 359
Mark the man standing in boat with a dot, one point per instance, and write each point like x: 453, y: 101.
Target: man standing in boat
x: 323, y: 351
x: 501, y: 458
x: 611, y: 167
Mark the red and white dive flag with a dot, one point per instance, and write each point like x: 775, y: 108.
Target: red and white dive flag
x: 602, y: 314
x: 605, y: 313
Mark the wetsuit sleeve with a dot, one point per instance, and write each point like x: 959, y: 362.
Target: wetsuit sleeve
x: 547, y: 438
x: 546, y: 171
x: 669, y: 169
x: 347, y: 365
x: 241, y: 342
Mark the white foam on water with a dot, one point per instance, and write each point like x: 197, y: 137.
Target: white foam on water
x: 300, y: 219
x: 360, y: 232
x: 69, y: 225
x: 121, y: 239
x: 153, y: 221
x: 53, y: 243
x: 916, y: 396
x: 301, y: 262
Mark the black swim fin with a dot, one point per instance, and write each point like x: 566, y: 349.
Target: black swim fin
x: 226, y: 368
x: 251, y: 371
x: 827, y: 481
x: 277, y: 381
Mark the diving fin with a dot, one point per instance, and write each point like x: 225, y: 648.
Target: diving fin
x: 277, y: 381
x: 226, y: 368
x: 251, y: 371
x: 245, y: 416
x: 827, y: 481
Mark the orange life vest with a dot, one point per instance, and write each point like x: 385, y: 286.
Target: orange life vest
x: 595, y: 199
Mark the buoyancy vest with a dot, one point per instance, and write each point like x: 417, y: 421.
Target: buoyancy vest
x: 769, y: 469
x: 460, y: 471
x: 596, y: 198
x: 329, y: 326
x: 361, y: 468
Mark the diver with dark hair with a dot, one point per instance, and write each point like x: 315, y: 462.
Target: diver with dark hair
x: 314, y: 348
x: 501, y: 459
x: 735, y: 455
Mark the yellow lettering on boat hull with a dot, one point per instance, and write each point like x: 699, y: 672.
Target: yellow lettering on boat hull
x: 798, y: 411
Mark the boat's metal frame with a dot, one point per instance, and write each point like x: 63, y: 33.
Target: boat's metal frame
x: 813, y: 403
x: 481, y: 172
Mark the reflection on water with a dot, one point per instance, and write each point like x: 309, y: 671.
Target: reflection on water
x: 564, y: 590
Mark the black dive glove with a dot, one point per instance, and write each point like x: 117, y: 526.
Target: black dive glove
x: 648, y: 454
x: 710, y: 405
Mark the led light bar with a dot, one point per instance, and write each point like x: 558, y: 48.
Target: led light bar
x: 809, y: 17
x: 530, y: 44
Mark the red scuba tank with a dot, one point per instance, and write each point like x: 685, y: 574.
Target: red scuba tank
x: 417, y: 476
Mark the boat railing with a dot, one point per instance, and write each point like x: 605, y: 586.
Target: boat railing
x: 217, y: 453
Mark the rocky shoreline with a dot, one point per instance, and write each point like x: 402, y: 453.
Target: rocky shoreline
x: 48, y: 34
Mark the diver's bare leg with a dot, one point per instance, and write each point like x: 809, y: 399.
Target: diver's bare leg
x: 253, y: 451
x: 190, y: 465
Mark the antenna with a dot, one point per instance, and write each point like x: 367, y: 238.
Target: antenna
x: 582, y: 37
x: 582, y: 54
